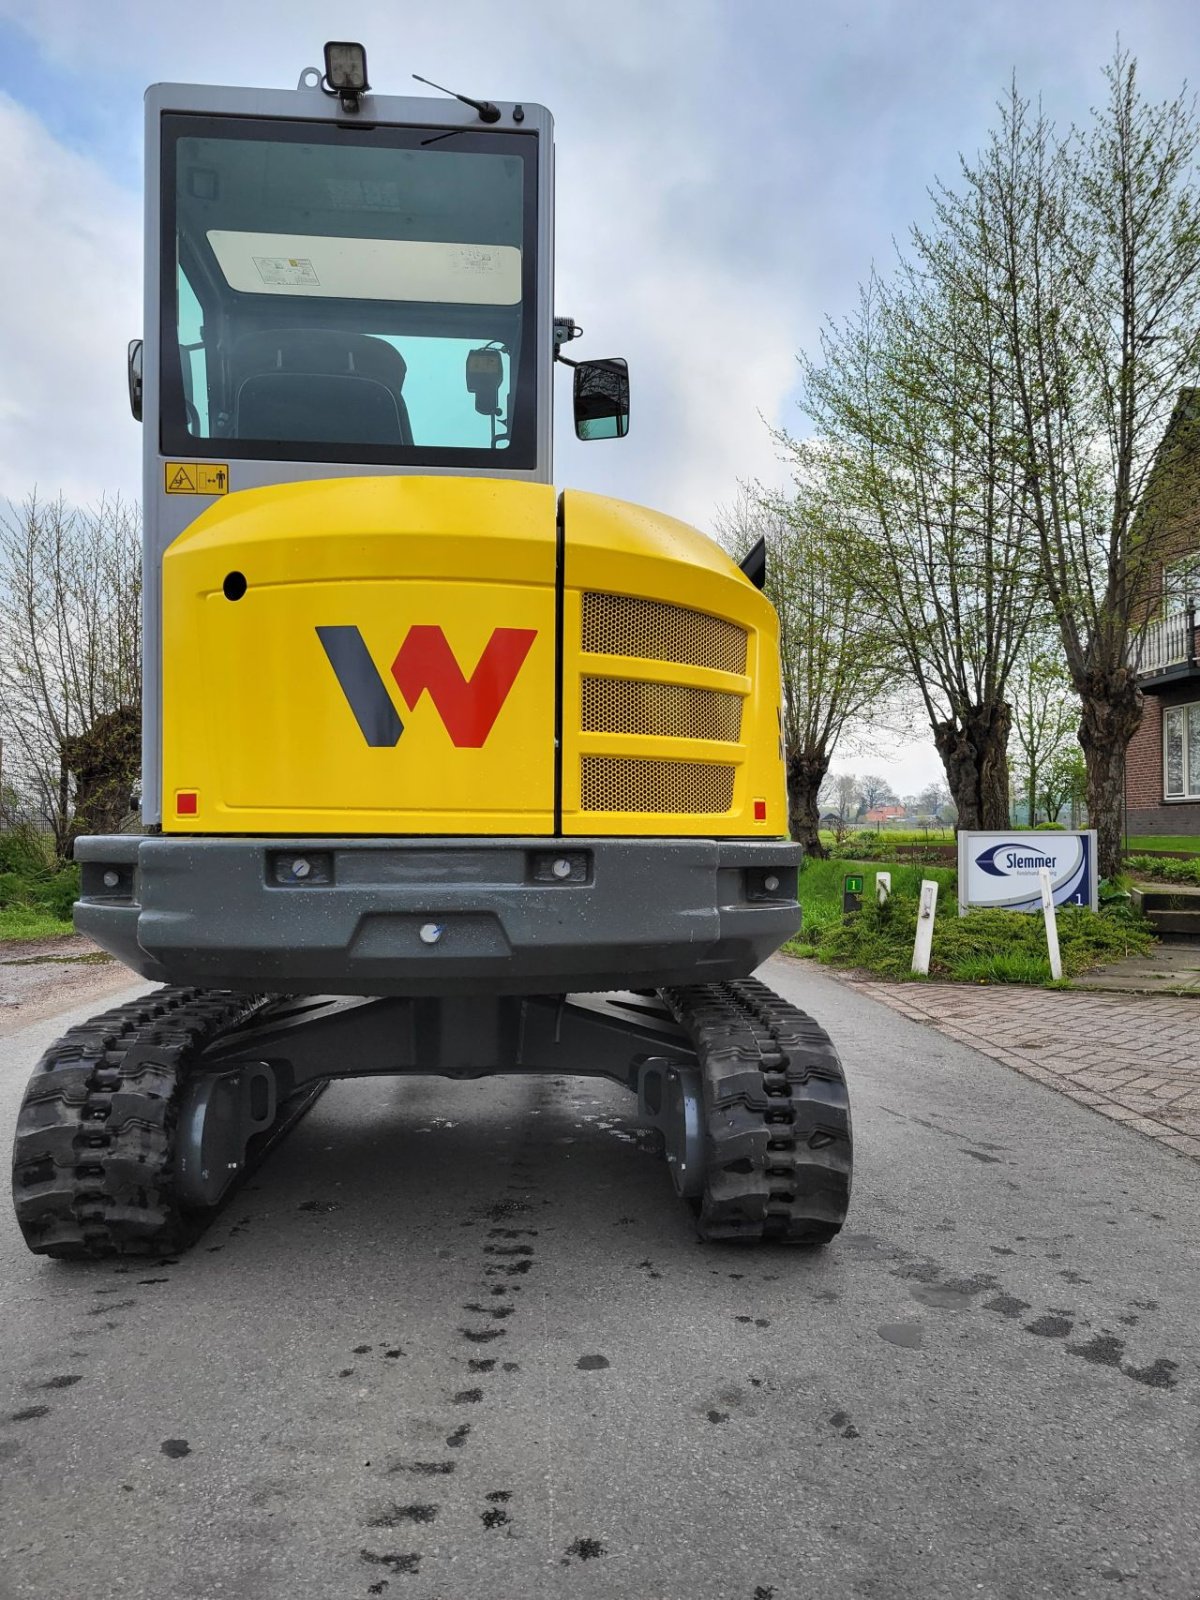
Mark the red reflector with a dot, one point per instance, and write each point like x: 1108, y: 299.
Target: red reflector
x: 185, y: 804
x: 760, y: 810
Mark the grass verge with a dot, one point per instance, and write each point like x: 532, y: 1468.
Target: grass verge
x: 982, y: 947
x: 36, y: 892
x: 22, y: 922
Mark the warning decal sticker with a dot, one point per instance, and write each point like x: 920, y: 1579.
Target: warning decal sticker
x: 289, y: 272
x: 196, y: 477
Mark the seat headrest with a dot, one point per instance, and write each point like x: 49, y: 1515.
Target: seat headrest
x: 318, y: 408
x: 318, y: 350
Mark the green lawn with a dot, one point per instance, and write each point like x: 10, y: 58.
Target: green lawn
x: 894, y: 835
x: 820, y: 891
x: 25, y: 922
x: 1164, y: 841
x: 987, y: 946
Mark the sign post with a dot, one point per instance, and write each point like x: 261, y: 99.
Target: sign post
x: 883, y: 888
x: 1051, y: 922
x: 923, y: 945
x: 1003, y: 869
x: 852, y: 893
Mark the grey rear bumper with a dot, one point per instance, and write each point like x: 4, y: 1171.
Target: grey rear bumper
x: 437, y: 916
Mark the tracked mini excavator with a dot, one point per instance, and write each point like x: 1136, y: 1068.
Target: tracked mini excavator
x: 443, y: 772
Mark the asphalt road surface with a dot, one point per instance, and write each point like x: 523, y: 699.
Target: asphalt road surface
x: 459, y: 1341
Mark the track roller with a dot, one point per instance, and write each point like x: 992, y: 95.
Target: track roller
x: 777, y: 1145
x: 122, y: 1148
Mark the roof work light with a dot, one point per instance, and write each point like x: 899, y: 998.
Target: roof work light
x: 346, y: 72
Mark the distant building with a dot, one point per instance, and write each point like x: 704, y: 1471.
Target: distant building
x: 879, y: 815
x: 1162, y: 763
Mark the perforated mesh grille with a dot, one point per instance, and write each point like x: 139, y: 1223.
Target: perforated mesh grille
x: 624, y: 783
x: 663, y: 710
x: 616, y: 625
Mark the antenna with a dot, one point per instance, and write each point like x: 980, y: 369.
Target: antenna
x: 487, y: 111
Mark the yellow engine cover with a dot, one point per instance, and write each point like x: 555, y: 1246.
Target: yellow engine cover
x: 379, y: 656
x: 388, y: 667
x: 671, y: 686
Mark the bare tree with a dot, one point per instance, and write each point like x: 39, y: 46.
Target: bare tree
x: 836, y: 668
x: 876, y: 791
x: 841, y: 795
x: 1087, y: 249
x: 70, y: 661
x: 933, y: 800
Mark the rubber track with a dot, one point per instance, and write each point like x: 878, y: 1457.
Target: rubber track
x: 94, y: 1149
x: 778, y: 1135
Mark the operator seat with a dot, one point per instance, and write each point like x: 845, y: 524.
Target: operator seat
x: 319, y: 386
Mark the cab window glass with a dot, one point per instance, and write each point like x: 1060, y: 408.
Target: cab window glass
x: 192, y: 361
x: 362, y: 300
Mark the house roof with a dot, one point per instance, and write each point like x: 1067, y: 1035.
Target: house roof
x: 1173, y: 483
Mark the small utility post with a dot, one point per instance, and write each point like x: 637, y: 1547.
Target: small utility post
x: 883, y: 888
x: 923, y: 947
x: 1051, y: 922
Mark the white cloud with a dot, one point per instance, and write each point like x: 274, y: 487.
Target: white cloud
x: 70, y: 298
x: 726, y: 174
x: 646, y: 194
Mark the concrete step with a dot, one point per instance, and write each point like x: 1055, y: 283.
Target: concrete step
x: 1175, y: 924
x: 1148, y: 897
x: 1173, y: 911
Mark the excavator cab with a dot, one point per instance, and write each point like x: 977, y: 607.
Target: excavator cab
x: 443, y: 771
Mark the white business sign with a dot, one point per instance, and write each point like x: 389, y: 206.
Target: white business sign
x: 1001, y: 869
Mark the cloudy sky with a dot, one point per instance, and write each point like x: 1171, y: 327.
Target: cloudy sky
x: 727, y: 172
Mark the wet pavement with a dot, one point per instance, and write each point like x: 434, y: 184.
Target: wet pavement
x: 1172, y: 966
x: 457, y: 1341
x: 38, y: 977
x: 1130, y: 1056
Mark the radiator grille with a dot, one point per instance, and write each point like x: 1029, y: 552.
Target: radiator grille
x: 618, y: 625
x: 661, y: 710
x: 624, y: 783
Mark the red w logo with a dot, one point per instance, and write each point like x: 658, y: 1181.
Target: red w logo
x: 468, y: 706
x: 426, y: 664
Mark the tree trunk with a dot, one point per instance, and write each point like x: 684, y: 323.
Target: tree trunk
x: 1112, y: 711
x: 974, y: 752
x: 806, y: 771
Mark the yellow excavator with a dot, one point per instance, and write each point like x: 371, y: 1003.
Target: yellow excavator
x: 443, y: 771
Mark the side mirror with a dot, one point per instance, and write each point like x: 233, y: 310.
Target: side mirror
x: 134, y: 363
x: 602, y: 399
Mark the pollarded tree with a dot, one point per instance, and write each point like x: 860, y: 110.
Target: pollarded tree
x: 1086, y: 248
x: 837, y: 669
x: 914, y: 406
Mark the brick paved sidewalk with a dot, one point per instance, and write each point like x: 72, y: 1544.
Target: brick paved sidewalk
x: 1134, y: 1058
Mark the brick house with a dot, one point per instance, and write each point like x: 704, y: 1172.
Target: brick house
x: 1162, y: 763
x: 881, y: 814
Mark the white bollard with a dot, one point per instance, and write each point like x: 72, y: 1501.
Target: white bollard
x: 883, y: 888
x: 923, y: 947
x: 1051, y: 922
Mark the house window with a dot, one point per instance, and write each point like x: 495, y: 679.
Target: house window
x: 1180, y: 585
x: 1181, y: 752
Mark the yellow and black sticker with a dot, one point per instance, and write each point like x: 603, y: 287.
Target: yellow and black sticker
x: 196, y: 477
